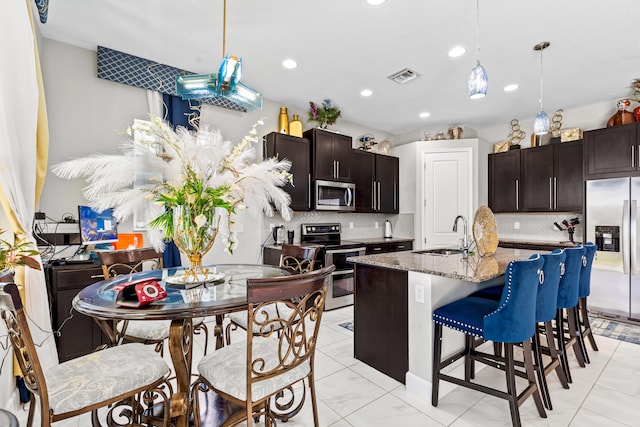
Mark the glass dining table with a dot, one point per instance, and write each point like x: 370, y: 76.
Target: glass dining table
x: 225, y: 295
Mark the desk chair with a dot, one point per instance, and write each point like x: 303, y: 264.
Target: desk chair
x: 298, y: 259
x: 152, y: 332
x: 249, y: 373
x: 122, y: 377
x: 508, y: 321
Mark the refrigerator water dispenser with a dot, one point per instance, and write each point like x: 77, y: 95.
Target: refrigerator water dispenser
x: 608, y: 238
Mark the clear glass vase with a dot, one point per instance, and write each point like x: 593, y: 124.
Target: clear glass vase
x: 194, y: 233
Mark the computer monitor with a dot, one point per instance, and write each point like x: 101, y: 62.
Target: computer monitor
x: 97, y: 227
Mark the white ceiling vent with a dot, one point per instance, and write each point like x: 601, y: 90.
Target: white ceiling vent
x: 403, y: 76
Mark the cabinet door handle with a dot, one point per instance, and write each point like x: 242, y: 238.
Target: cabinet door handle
x: 550, y: 193
x: 97, y: 276
x: 334, y: 169
x: 517, y: 191
x: 555, y: 192
x: 309, y: 195
x: 378, y: 195
x: 400, y: 246
x: 373, y: 195
x: 633, y: 156
x: 337, y: 169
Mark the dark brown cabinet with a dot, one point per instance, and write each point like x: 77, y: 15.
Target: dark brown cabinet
x: 377, y: 182
x: 541, y: 179
x: 504, y: 181
x: 298, y: 151
x: 551, y: 178
x: 611, y: 152
x: 384, y: 247
x: 80, y: 334
x: 331, y: 154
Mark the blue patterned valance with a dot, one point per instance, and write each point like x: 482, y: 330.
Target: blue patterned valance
x: 43, y: 9
x: 139, y: 72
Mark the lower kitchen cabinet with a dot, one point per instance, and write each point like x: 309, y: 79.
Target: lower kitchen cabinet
x: 80, y: 334
x: 380, y: 320
x: 383, y: 247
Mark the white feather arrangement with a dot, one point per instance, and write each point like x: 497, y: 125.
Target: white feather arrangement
x: 168, y: 168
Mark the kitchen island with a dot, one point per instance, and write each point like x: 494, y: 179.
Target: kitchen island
x: 395, y: 295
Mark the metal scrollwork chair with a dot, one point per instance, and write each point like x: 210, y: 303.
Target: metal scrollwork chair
x: 298, y: 259
x: 153, y: 332
x: 121, y: 378
x: 250, y: 373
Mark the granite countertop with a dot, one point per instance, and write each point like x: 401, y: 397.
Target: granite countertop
x: 472, y: 269
x: 377, y: 240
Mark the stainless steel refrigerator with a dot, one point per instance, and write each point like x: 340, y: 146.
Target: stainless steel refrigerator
x: 611, y: 221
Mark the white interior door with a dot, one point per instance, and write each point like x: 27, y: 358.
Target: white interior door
x: 447, y: 193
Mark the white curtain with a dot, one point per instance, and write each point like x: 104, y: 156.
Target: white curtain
x: 19, y: 113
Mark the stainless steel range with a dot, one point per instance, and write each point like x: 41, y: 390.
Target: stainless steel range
x: 335, y: 251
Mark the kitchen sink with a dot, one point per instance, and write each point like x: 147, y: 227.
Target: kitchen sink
x: 439, y: 252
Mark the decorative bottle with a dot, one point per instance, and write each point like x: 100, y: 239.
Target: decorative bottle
x: 295, y: 127
x: 283, y: 121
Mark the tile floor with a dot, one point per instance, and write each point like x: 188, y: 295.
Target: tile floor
x: 350, y: 393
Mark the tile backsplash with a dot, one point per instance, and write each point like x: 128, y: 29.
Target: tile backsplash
x: 537, y: 226
x: 364, y: 224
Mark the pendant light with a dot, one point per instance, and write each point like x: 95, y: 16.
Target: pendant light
x: 541, y: 123
x: 477, y: 85
x: 225, y: 84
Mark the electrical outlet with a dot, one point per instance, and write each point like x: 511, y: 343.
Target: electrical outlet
x: 377, y: 224
x: 351, y: 225
x: 420, y: 294
x: 516, y: 225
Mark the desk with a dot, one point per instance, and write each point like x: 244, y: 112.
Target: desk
x: 180, y: 306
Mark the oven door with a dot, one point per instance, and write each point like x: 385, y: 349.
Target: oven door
x: 340, y: 291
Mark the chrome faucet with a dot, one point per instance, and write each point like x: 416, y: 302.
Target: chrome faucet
x: 465, y: 238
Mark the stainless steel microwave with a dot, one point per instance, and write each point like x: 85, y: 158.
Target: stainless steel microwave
x: 335, y: 196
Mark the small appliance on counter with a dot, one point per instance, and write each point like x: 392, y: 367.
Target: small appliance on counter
x: 387, y: 229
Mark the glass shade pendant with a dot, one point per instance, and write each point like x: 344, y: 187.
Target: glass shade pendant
x: 541, y: 123
x: 225, y: 84
x: 478, y: 83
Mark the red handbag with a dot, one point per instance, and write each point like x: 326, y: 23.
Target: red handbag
x: 140, y: 293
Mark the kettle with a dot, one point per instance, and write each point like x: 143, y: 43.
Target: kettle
x: 387, y: 229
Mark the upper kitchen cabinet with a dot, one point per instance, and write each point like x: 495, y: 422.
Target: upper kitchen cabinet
x: 504, y: 181
x: 551, y: 178
x: 331, y: 154
x: 611, y: 152
x: 376, y: 177
x: 298, y: 151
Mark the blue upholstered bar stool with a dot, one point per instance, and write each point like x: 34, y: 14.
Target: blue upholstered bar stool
x: 567, y: 302
x: 509, y: 321
x: 546, y: 309
x: 584, y: 291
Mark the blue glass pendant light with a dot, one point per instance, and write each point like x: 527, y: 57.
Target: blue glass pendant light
x: 226, y: 83
x: 541, y: 123
x: 478, y: 81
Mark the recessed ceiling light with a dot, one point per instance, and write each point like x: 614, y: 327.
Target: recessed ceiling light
x: 457, y: 51
x: 289, y: 63
x: 510, y: 88
x: 424, y: 115
x: 375, y: 2
x: 366, y: 92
